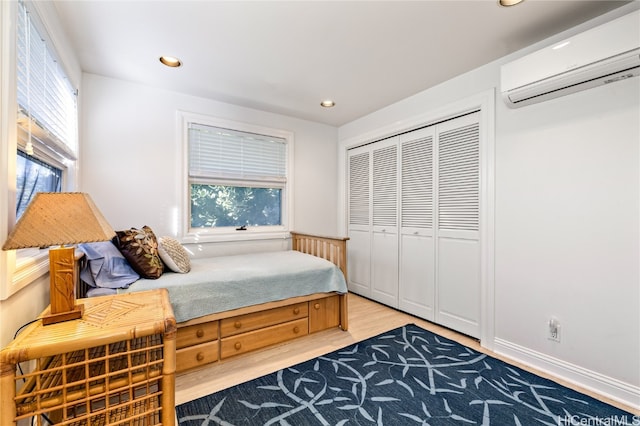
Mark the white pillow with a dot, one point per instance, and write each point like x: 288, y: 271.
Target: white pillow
x: 174, y: 255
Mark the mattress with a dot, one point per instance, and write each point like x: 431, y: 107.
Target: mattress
x: 219, y: 284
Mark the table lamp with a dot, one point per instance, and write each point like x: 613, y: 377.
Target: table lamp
x: 60, y: 218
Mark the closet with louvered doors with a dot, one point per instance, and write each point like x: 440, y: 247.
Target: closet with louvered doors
x: 413, y: 222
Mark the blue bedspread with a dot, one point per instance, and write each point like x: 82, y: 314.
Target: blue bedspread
x: 218, y: 284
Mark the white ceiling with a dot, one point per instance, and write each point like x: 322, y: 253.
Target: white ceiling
x: 285, y: 57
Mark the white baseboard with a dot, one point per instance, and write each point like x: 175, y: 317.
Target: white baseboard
x: 606, y: 386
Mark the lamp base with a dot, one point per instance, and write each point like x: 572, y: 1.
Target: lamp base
x: 62, y: 278
x: 63, y: 316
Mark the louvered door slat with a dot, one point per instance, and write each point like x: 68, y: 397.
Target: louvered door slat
x: 385, y: 189
x: 417, y: 183
x: 458, y: 179
x: 359, y: 189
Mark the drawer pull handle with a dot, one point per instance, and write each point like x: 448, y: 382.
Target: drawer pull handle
x: 296, y: 330
x: 199, y: 333
x: 316, y: 306
x: 238, y: 345
x: 296, y: 311
x: 200, y: 357
x: 237, y: 324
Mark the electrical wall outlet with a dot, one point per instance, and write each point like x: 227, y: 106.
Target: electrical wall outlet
x: 554, y: 330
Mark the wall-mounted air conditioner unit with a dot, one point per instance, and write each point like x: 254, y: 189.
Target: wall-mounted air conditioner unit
x: 601, y: 55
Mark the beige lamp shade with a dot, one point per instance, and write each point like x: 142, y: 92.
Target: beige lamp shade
x: 58, y: 218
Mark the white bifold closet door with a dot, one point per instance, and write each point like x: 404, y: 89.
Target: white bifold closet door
x: 373, y: 221
x: 359, y: 221
x: 457, y: 204
x: 384, y: 244
x: 417, y: 247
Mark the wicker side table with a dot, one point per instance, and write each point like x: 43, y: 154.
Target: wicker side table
x: 115, y: 365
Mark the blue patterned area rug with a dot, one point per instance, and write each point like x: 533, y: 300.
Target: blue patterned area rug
x: 405, y: 376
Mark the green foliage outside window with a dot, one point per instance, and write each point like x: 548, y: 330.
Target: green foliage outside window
x: 226, y: 206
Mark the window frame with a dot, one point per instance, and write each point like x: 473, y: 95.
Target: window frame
x: 198, y: 235
x: 19, y: 268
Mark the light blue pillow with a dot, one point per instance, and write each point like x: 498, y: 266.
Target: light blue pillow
x: 106, y: 267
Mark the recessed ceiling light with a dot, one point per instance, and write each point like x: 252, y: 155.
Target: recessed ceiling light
x: 561, y: 45
x: 508, y: 3
x: 327, y: 103
x: 170, y: 61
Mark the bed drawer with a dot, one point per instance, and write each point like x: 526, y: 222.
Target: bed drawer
x: 257, y: 339
x: 324, y: 313
x: 243, y: 323
x: 194, y: 356
x: 196, y: 334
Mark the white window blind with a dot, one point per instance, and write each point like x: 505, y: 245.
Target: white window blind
x: 47, y: 102
x: 217, y: 153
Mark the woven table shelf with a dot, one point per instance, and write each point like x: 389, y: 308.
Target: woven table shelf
x: 114, y: 366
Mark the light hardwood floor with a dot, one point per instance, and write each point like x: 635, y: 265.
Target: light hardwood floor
x: 366, y: 319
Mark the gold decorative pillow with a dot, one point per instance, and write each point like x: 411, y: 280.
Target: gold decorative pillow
x: 140, y: 248
x: 174, y: 256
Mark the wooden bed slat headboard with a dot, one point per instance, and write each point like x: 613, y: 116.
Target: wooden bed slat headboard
x: 333, y: 249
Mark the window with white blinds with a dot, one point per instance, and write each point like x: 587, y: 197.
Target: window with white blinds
x: 417, y: 183
x: 45, y: 134
x: 220, y: 153
x: 385, y: 186
x: 359, y: 189
x: 47, y: 101
x: 458, y: 179
x: 238, y: 180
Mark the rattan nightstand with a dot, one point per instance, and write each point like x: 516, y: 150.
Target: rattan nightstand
x: 115, y: 365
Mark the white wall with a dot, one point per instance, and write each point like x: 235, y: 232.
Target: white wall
x: 567, y: 228
x: 567, y: 195
x: 131, y: 164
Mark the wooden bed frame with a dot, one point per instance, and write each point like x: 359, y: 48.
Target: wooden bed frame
x: 218, y: 336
